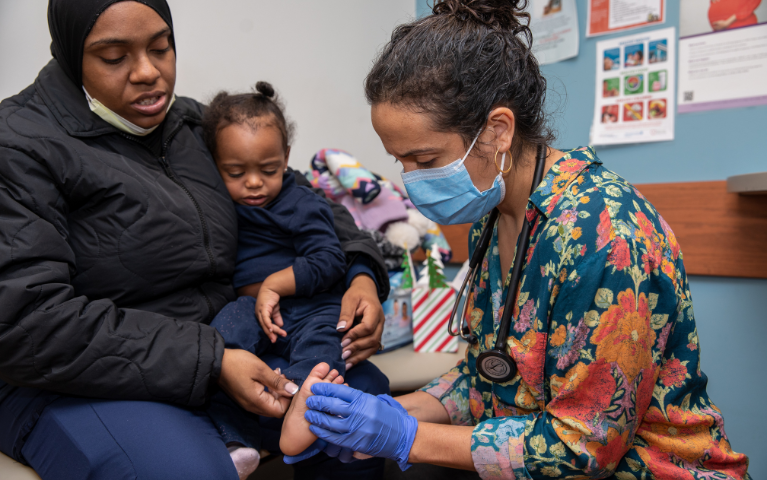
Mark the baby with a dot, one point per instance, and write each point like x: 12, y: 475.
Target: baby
x: 289, y: 260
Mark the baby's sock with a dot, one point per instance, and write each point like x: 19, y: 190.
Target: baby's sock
x: 245, y: 459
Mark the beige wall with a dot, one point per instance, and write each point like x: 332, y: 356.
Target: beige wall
x: 316, y: 53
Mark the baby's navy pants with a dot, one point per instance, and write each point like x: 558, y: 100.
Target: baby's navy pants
x: 309, y: 322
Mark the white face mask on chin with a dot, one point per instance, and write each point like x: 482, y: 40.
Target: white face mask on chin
x: 116, y: 120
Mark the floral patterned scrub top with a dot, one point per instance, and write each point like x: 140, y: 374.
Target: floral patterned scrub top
x: 604, y: 337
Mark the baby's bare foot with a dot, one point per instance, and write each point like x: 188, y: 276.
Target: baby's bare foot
x: 296, y: 436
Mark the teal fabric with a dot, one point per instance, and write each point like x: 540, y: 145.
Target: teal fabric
x: 605, y: 340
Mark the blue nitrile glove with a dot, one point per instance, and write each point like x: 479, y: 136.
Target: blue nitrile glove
x: 361, y: 422
x: 387, y: 399
x: 343, y: 454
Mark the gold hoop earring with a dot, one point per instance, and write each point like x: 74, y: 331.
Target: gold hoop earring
x: 495, y: 160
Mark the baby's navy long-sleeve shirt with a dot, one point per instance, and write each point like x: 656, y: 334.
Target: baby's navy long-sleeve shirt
x: 295, y: 229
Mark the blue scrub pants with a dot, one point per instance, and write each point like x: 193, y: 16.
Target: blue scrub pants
x: 70, y: 438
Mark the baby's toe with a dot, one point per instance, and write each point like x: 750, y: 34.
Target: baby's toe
x: 318, y: 373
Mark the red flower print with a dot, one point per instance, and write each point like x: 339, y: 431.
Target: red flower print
x: 604, y: 230
x: 669, y: 269
x: 661, y: 464
x: 530, y: 214
x: 553, y: 204
x: 571, y: 165
x: 612, y: 452
x: 644, y: 224
x: 529, y: 353
x: 723, y: 459
x: 653, y: 258
x: 624, y: 334
x: 619, y: 254
x: 645, y: 389
x: 586, y: 393
x: 673, y: 373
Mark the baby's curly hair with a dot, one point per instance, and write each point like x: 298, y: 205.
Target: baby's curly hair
x: 257, y: 109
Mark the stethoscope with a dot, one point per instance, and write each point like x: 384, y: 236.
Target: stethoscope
x: 496, y: 365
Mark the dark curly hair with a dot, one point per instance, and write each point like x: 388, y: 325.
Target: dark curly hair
x: 260, y: 108
x: 458, y: 64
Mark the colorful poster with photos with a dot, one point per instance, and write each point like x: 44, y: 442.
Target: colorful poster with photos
x: 635, y: 89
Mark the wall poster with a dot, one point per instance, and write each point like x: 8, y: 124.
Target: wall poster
x: 635, y: 89
x: 722, y: 54
x: 610, y: 16
x: 554, y: 24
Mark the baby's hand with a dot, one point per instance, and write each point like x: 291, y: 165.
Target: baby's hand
x: 268, y: 313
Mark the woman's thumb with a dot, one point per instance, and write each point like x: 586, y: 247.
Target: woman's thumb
x: 282, y: 385
x: 346, y: 318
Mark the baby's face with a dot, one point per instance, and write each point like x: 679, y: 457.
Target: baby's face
x: 251, y: 161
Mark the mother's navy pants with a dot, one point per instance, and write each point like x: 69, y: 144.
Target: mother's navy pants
x: 65, y: 437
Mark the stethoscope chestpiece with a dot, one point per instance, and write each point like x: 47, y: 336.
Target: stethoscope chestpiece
x: 496, y: 366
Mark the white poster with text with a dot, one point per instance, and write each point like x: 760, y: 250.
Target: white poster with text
x: 635, y: 89
x: 722, y: 55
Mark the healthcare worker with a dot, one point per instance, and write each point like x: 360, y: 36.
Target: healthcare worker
x: 602, y: 334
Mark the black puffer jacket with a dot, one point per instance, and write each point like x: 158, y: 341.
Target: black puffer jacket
x: 113, y: 260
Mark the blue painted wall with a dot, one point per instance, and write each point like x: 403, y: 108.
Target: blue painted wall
x: 731, y: 314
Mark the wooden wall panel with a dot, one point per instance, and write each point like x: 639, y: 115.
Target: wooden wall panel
x: 721, y: 234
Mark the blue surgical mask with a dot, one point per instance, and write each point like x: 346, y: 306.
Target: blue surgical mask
x: 447, y: 196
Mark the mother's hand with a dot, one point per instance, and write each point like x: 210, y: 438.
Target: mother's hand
x: 244, y: 376
x: 362, y: 341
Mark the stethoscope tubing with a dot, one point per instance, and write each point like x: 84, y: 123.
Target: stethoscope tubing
x: 474, y: 264
x: 516, y: 273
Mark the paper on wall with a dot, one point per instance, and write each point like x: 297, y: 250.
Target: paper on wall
x: 554, y: 24
x: 635, y: 89
x: 722, y: 56
x: 610, y: 16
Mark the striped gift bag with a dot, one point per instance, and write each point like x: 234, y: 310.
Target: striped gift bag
x: 431, y: 312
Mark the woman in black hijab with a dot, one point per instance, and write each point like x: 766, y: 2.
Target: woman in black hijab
x: 117, y: 247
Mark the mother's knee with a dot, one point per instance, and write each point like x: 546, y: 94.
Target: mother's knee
x: 80, y: 438
x: 69, y: 441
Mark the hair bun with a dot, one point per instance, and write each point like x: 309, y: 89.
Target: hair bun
x: 501, y: 14
x: 265, y: 89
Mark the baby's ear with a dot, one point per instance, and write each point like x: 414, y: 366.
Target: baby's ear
x: 287, y: 157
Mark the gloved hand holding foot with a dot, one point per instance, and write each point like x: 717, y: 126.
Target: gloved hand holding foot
x: 360, y: 422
